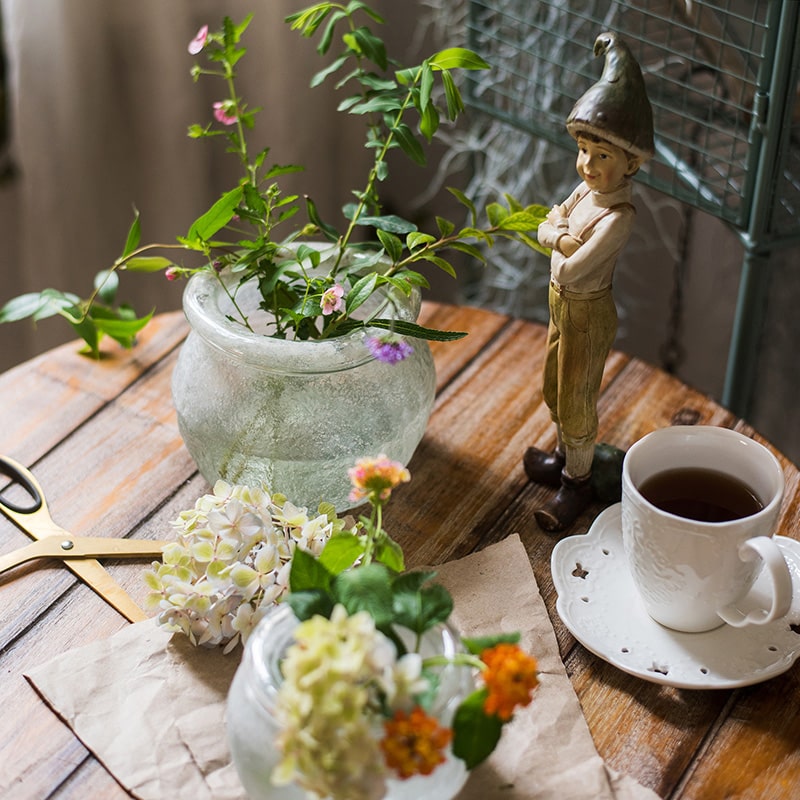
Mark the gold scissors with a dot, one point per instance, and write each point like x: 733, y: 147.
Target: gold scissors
x: 78, y: 553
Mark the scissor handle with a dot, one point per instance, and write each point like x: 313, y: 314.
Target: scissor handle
x: 24, y: 478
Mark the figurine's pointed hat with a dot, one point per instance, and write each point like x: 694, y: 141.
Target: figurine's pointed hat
x: 616, y: 108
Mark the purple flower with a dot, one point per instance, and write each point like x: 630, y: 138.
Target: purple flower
x: 388, y: 348
x: 199, y: 41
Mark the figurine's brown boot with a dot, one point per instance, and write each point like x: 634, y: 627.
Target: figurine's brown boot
x: 570, y: 501
x: 542, y: 467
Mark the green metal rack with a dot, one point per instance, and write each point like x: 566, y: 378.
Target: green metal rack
x: 722, y: 76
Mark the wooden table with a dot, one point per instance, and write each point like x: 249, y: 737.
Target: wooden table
x: 102, y: 439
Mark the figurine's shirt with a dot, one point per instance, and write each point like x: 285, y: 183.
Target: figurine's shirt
x: 602, y: 223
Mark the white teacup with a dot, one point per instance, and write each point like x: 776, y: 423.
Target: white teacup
x: 692, y: 574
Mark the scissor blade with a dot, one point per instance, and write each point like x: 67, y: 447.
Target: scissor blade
x: 40, y: 549
x: 72, y: 547
x: 92, y: 573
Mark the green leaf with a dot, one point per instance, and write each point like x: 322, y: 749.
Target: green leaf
x: 307, y: 604
x: 465, y: 201
x: 391, y: 244
x: 429, y: 121
x: 425, y: 86
x: 334, y: 66
x: 147, y: 264
x: 445, y: 227
x: 360, y: 292
x: 341, y: 551
x: 469, y: 249
x: 308, y: 573
x: 455, y: 105
x: 496, y: 214
x: 106, y: 282
x: 417, y: 606
x: 520, y: 221
x: 382, y: 105
x: 416, y: 239
x: 328, y: 231
x: 327, y: 35
x: 134, y: 236
x: 122, y: 331
x: 389, y: 553
x: 37, y: 305
x: 477, y: 644
x: 367, y: 588
x: 457, y: 58
x: 371, y: 46
x: 409, y: 144
x: 440, y: 262
x: 217, y: 217
x: 475, y: 733
x: 403, y: 328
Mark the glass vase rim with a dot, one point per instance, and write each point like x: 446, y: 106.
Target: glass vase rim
x: 201, y: 298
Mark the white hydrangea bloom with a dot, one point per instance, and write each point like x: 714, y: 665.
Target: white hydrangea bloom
x: 231, y: 562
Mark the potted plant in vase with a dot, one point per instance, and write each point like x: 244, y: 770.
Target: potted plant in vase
x: 353, y: 684
x: 304, y: 351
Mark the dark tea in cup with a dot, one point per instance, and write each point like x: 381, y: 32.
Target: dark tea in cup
x: 701, y: 494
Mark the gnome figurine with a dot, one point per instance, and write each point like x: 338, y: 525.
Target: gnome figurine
x: 612, y: 124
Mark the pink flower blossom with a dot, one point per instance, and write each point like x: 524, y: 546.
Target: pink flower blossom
x: 376, y: 477
x: 389, y: 349
x: 172, y: 273
x: 332, y: 299
x: 199, y: 41
x: 224, y: 112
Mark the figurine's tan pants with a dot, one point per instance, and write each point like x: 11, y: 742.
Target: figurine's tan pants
x: 580, y: 335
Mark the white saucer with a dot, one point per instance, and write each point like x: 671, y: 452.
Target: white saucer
x: 599, y: 604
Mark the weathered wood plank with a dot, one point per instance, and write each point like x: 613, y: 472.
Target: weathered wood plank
x: 46, y: 398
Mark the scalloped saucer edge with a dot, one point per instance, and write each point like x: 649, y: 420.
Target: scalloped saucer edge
x: 599, y: 604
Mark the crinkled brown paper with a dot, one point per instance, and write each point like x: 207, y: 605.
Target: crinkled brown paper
x: 151, y: 707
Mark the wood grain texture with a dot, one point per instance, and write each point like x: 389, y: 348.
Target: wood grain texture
x: 103, y: 442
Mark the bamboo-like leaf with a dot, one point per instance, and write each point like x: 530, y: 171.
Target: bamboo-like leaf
x: 147, y: 264
x: 217, y: 217
x: 415, y: 331
x: 455, y: 105
x: 457, y: 58
x: 391, y: 244
x: 134, y: 235
x: 409, y: 144
x: 465, y: 201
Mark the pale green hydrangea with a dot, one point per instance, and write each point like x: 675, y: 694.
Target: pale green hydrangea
x: 231, y: 562
x: 338, y: 678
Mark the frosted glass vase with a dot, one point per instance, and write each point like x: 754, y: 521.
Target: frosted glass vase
x: 294, y: 415
x: 252, y: 729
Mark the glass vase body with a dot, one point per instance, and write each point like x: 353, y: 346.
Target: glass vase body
x: 293, y: 415
x: 252, y: 728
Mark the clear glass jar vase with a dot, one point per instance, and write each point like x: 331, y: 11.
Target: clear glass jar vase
x: 252, y: 728
x: 294, y: 415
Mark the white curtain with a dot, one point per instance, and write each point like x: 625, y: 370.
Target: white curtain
x: 101, y: 99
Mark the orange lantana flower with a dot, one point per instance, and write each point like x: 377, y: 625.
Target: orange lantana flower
x: 414, y: 743
x: 510, y: 676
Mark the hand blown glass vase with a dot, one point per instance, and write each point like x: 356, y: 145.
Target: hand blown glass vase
x: 293, y: 415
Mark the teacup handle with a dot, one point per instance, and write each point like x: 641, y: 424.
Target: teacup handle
x: 780, y: 577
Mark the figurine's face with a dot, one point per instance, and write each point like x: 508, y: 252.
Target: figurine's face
x: 602, y: 165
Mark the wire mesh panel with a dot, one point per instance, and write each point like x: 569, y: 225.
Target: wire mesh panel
x: 706, y: 65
